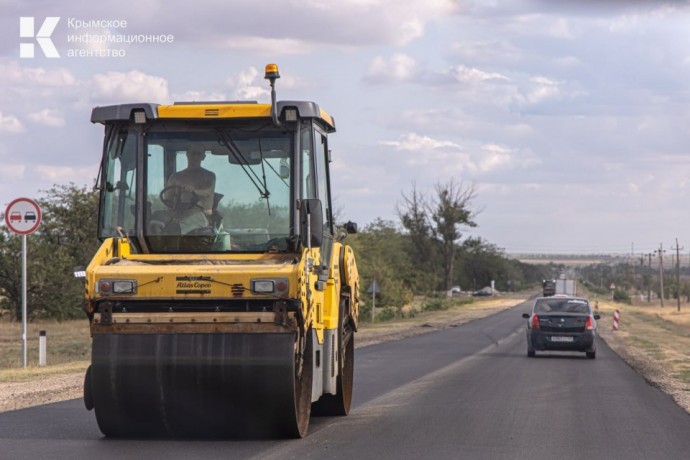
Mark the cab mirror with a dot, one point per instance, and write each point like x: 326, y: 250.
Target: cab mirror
x: 311, y: 222
x: 351, y: 227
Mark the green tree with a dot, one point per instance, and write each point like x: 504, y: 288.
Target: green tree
x: 383, y: 254
x: 70, y: 216
x: 10, y: 273
x: 450, y: 212
x: 66, y: 238
x: 423, y: 250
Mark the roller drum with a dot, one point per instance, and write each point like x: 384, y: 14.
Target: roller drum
x: 198, y: 385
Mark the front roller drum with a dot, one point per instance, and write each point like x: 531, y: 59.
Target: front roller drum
x: 200, y: 385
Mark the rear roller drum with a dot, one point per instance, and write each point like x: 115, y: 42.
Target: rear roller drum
x: 339, y: 404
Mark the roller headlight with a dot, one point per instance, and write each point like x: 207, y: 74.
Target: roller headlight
x: 117, y: 286
x: 270, y: 286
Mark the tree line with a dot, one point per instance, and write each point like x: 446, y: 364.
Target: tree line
x: 424, y: 253
x: 635, y: 278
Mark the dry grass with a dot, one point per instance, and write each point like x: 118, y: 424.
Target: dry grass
x: 34, y: 372
x: 68, y: 346
x: 662, y: 334
x: 427, y: 321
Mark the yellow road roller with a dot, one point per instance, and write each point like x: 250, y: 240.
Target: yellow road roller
x: 223, y: 300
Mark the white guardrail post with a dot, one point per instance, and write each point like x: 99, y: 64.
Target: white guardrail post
x: 42, y: 348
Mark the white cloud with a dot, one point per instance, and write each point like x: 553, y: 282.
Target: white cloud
x: 438, y: 156
x: 198, y: 96
x: 12, y: 74
x: 249, y: 85
x: 560, y: 28
x: 376, y: 21
x: 494, y: 157
x: 10, y: 124
x: 416, y: 143
x: 267, y: 46
x: 399, y: 67
x: 48, y: 117
x: 638, y: 22
x: 568, y: 61
x: 633, y: 189
x: 466, y: 74
x: 66, y: 174
x: 10, y: 172
x: 290, y: 27
x: 543, y: 88
x: 487, y: 51
x: 411, y: 16
x: 133, y: 86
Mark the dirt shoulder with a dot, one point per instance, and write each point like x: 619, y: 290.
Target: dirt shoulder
x: 36, y: 390
x: 43, y: 390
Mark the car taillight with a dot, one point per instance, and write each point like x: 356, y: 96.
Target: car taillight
x: 535, y: 322
x: 589, y: 325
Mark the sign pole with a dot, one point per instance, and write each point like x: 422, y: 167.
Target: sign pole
x: 24, y: 298
x: 22, y: 217
x: 373, y: 289
x: 373, y: 307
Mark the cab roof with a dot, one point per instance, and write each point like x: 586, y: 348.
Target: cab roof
x: 208, y: 111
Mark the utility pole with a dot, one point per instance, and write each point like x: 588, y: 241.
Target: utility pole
x: 661, y: 273
x: 641, y: 270
x: 649, y: 280
x: 678, y: 273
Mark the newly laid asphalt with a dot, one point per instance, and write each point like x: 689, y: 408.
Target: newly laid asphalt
x: 464, y: 392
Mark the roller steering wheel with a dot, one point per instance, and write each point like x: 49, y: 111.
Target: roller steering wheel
x: 179, y: 198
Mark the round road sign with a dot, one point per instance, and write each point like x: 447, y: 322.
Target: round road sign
x: 23, y: 216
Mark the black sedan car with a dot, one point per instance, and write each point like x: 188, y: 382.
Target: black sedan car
x: 561, y: 323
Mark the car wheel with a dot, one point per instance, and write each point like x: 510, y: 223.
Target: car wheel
x: 591, y: 354
x: 531, y: 353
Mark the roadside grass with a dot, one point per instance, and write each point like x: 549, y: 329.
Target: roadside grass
x: 68, y: 349
x: 661, y: 333
x: 424, y: 311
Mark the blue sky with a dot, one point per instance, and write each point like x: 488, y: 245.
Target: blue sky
x: 569, y: 117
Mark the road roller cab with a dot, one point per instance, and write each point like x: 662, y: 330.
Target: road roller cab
x: 223, y: 300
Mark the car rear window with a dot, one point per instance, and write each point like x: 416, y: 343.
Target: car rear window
x: 561, y: 306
